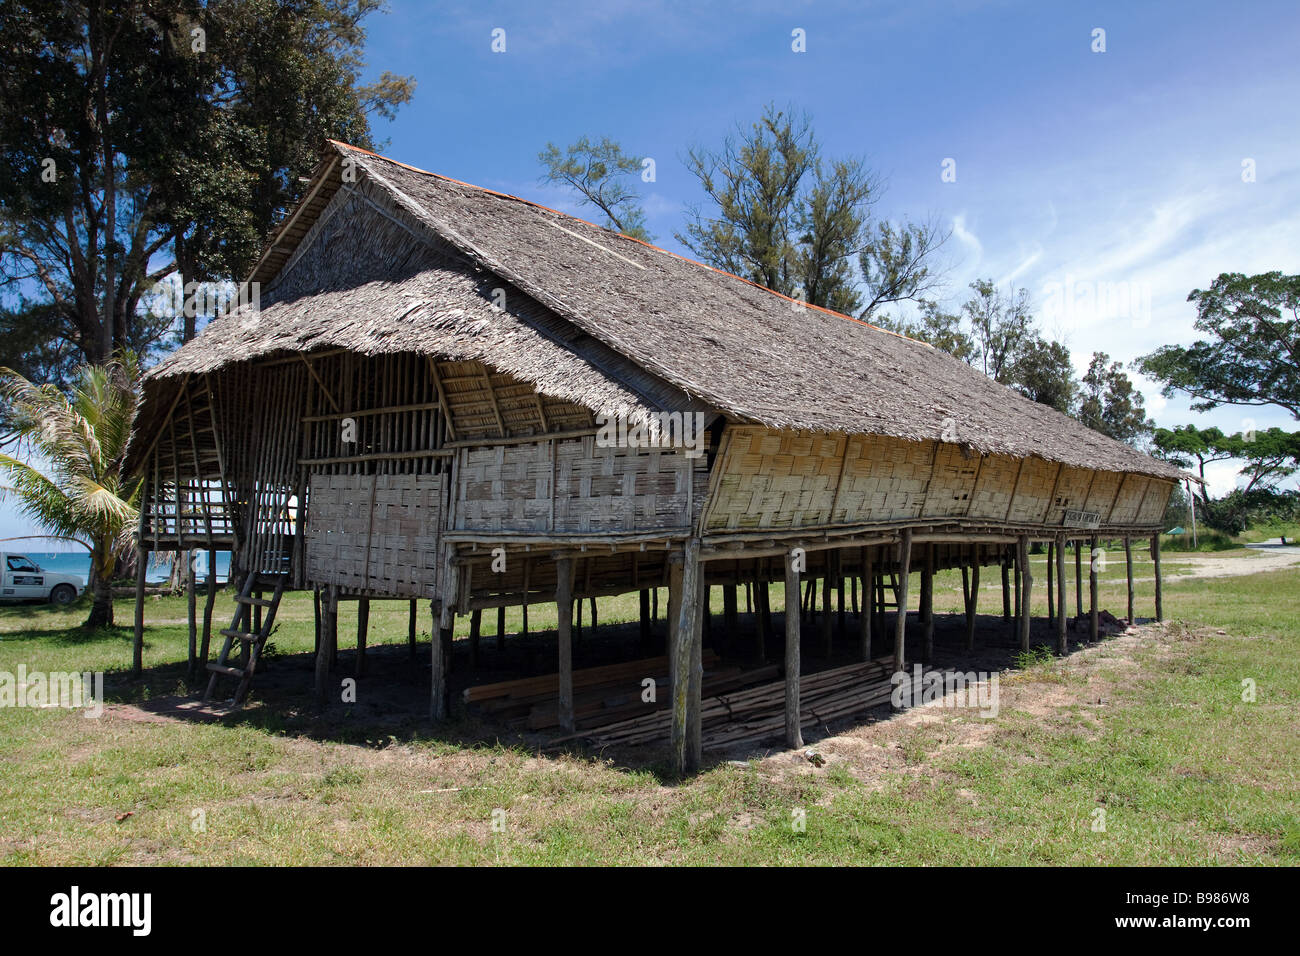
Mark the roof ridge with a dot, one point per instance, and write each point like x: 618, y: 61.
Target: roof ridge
x: 619, y: 235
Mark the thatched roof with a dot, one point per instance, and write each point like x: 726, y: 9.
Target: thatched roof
x: 741, y: 349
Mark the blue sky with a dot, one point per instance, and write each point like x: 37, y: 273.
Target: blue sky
x: 1118, y: 172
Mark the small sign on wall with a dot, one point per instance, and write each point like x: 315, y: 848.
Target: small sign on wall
x: 1081, y: 519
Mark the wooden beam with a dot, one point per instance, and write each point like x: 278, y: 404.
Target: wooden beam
x: 866, y: 609
x: 564, y: 633
x: 793, y: 736
x: 1093, y: 609
x: 685, y: 710
x: 900, y: 623
x: 1062, y: 644
x: 1027, y: 587
x: 1155, y: 557
x: 1128, y: 567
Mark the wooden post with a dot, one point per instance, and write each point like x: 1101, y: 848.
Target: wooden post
x: 1155, y: 557
x: 324, y: 653
x: 209, y: 602
x: 972, y: 600
x: 192, y: 613
x: 438, y: 691
x: 501, y: 629
x: 315, y: 605
x: 1078, y: 578
x: 1006, y: 590
x: 828, y: 648
x: 793, y: 735
x: 1051, y: 589
x: 363, y: 627
x: 1128, y: 567
x: 410, y: 629
x: 730, y: 611
x: 927, y: 605
x: 1018, y: 576
x: 762, y: 615
x: 865, y: 609
x: 685, y: 716
x: 564, y: 635
x: 900, y: 623
x: 1093, y: 609
x: 645, y: 619
x: 674, y: 611
x: 137, y: 643
x: 1027, y: 586
x: 1062, y: 644
x: 475, y: 633
x: 839, y: 592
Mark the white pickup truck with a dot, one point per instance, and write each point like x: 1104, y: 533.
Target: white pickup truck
x: 23, y: 580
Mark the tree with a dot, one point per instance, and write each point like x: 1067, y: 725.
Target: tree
x: 1269, y: 456
x: 1252, y: 354
x: 1043, y: 372
x: 1187, y: 444
x: 941, y: 329
x: 898, y: 264
x: 1110, y: 404
x: 75, y: 486
x: 141, y: 138
x: 1001, y: 326
x: 599, y: 174
x: 780, y: 215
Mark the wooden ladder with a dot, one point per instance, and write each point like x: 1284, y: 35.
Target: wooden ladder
x: 242, y: 630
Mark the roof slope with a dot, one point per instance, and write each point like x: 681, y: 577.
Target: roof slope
x: 741, y: 348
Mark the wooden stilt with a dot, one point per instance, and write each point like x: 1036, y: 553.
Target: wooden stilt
x: 1155, y: 558
x: 564, y: 635
x: 927, y: 605
x: 839, y: 592
x: 762, y: 615
x: 828, y: 648
x: 410, y: 629
x: 1078, y: 578
x: 1027, y: 586
x: 209, y: 602
x: 315, y: 602
x: 1061, y: 639
x: 363, y: 626
x: 324, y: 653
x: 866, y: 610
x: 1093, y: 609
x: 501, y: 629
x: 674, y: 612
x: 1006, y: 590
x: 437, y: 659
x: 192, y: 613
x: 730, y: 611
x: 972, y: 601
x: 645, y: 619
x: 793, y: 734
x: 137, y: 641
x: 1128, y: 568
x: 900, y: 623
x: 685, y: 714
x: 475, y: 633
x: 1051, y: 589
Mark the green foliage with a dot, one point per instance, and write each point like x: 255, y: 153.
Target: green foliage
x: 77, y: 488
x: 141, y: 139
x: 599, y: 173
x: 1252, y: 353
x: 1110, y: 404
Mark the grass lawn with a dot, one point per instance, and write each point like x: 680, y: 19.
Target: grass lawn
x: 1151, y: 729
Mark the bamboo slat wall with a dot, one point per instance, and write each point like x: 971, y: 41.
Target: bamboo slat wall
x: 375, y: 533
x: 787, y: 480
x: 573, y: 485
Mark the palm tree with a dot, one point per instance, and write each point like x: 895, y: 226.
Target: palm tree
x: 75, y: 486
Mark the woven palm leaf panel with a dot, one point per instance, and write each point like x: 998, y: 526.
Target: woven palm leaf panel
x: 574, y: 485
x: 376, y: 534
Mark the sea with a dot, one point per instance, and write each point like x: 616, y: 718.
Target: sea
x: 78, y: 562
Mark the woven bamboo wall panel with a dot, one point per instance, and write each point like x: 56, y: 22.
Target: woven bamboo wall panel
x: 1157, y: 499
x: 375, y: 533
x: 1130, y: 498
x: 509, y: 488
x: 776, y: 479
x: 1071, y: 493
x: 1102, y: 493
x: 997, y: 479
x: 1033, y: 491
x: 886, y: 479
x: 953, y: 482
